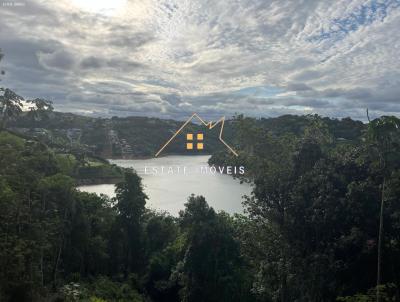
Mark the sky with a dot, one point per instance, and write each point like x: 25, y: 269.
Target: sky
x: 169, y: 58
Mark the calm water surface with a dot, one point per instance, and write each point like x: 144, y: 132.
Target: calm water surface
x: 169, y: 191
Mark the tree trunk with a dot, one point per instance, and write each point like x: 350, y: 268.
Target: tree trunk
x: 284, y: 275
x: 283, y: 286
x: 58, y: 257
x: 41, y: 267
x: 380, y: 239
x: 3, y: 122
x: 55, y: 269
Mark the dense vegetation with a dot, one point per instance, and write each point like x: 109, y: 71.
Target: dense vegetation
x: 325, y: 212
x: 130, y: 137
x: 73, y: 159
x: 133, y: 137
x: 322, y: 224
x: 59, y: 244
x: 312, y: 232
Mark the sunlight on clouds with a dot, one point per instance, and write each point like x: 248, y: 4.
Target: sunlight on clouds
x: 103, y: 7
x: 202, y: 52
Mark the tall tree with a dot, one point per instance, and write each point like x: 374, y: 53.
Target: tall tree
x: 128, y: 230
x: 384, y: 134
x: 211, y: 269
x: 39, y: 108
x: 11, y: 105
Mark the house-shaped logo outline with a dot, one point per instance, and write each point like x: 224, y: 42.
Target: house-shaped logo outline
x: 210, y: 125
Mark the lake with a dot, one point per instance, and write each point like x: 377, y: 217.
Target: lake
x: 168, y: 182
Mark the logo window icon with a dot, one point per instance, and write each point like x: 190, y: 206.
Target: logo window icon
x: 190, y: 143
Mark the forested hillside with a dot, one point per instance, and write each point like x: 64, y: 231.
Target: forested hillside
x: 324, y: 216
x: 131, y: 137
x: 135, y: 137
x: 320, y: 214
x: 59, y: 244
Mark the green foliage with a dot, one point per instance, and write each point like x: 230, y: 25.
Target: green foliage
x: 384, y: 138
x: 66, y: 163
x: 104, y: 289
x: 98, y: 172
x: 99, y: 290
x: 312, y: 231
x: 387, y: 295
x: 145, y: 136
x: 11, y: 105
x: 49, y: 232
x: 110, y: 137
x: 211, y: 269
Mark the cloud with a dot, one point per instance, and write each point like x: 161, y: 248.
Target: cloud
x: 91, y: 62
x: 59, y: 60
x: 170, y: 58
x: 126, y: 39
x: 293, y: 86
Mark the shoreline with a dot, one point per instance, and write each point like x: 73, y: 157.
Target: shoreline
x: 151, y: 157
x: 97, y: 181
